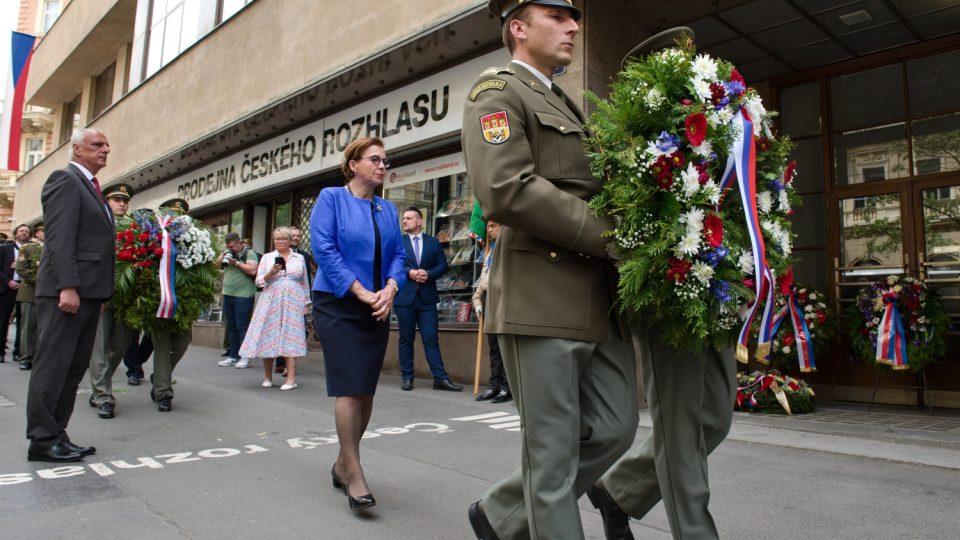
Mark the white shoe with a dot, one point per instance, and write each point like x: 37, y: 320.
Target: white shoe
x: 289, y: 386
x: 267, y: 383
x: 244, y: 363
x: 228, y: 362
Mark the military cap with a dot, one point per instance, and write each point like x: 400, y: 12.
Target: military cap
x: 663, y: 40
x: 503, y: 8
x: 38, y: 227
x: 121, y: 191
x: 177, y: 204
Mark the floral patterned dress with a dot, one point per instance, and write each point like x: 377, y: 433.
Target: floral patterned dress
x: 277, y: 328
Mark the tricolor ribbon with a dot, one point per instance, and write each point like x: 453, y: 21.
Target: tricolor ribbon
x: 741, y: 165
x: 891, y: 339
x: 765, y: 382
x: 168, y: 297
x: 801, y: 332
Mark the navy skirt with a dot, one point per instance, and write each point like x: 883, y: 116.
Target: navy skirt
x: 353, y: 342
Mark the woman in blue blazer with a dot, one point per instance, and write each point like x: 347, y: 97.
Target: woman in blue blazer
x: 356, y: 240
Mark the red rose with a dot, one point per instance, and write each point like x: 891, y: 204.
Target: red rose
x: 735, y: 76
x: 786, y: 283
x: 793, y: 386
x: 789, y: 340
x: 158, y: 252
x: 749, y: 283
x: 143, y: 236
x: 696, y: 128
x: 802, y: 297
x: 128, y: 235
x: 713, y: 230
x: 788, y: 172
x: 146, y: 264
x: 141, y: 251
x: 821, y: 317
x: 677, y: 272
x: 125, y: 255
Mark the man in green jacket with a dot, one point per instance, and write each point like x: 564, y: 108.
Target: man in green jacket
x: 28, y: 261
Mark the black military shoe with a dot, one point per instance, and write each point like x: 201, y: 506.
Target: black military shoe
x: 478, y: 520
x: 165, y: 404
x: 57, y: 453
x: 407, y: 385
x: 105, y: 410
x: 446, y: 385
x: 133, y: 380
x: 616, y: 522
x: 489, y: 393
x: 503, y: 396
x: 82, y: 450
x: 26, y: 365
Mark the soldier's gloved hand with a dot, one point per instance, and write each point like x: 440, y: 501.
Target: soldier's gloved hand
x: 479, y: 309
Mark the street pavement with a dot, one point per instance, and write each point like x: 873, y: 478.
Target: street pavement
x: 234, y: 461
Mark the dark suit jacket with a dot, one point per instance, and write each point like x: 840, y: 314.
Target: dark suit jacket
x: 7, y: 258
x: 79, y: 247
x: 433, y: 260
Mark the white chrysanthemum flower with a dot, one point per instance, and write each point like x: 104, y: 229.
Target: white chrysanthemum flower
x: 654, y: 98
x: 702, y: 89
x: 786, y: 245
x: 705, y: 149
x: 764, y: 202
x: 784, y: 201
x: 787, y: 349
x: 689, y: 244
x: 758, y: 113
x: 694, y: 220
x: 704, y: 67
x: 725, y: 115
x: 703, y: 272
x: 891, y: 280
x: 745, y: 262
x: 812, y: 296
x: 712, y: 191
x: 654, y: 152
x: 691, y: 180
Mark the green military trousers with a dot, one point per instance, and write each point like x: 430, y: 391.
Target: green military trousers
x: 168, y: 349
x: 691, y: 398
x: 28, y: 332
x: 578, y: 410
x: 111, y: 343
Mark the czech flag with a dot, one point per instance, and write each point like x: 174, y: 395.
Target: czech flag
x: 22, y: 50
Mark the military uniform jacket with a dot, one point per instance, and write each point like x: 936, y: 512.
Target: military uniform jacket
x: 28, y: 262
x: 524, y: 147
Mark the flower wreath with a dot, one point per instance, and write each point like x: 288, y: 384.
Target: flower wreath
x: 140, y: 285
x: 773, y: 392
x: 676, y: 133
x: 803, y: 325
x: 899, y: 323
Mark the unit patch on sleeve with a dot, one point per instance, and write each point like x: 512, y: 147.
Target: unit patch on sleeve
x: 496, y: 127
x: 492, y: 84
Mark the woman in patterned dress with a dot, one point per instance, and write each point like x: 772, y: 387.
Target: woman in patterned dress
x: 277, y: 328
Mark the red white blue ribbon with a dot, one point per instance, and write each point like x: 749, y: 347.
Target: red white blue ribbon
x: 801, y: 332
x: 891, y: 339
x: 741, y: 165
x: 168, y: 297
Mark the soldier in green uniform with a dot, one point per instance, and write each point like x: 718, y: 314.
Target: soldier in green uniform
x: 28, y: 261
x: 112, y: 335
x: 168, y: 347
x: 569, y: 360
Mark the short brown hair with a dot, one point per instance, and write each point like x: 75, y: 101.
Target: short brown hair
x: 521, y: 13
x: 355, y: 150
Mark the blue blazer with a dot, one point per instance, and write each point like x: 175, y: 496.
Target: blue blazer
x: 433, y: 260
x: 341, y: 235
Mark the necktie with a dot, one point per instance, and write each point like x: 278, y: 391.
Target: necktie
x: 556, y: 90
x: 96, y: 186
x: 416, y: 248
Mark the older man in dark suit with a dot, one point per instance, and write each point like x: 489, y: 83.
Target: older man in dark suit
x: 74, y: 279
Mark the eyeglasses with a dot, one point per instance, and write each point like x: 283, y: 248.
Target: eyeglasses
x: 281, y: 239
x: 377, y: 160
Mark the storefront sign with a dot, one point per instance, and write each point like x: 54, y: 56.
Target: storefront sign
x: 425, y: 170
x: 428, y: 108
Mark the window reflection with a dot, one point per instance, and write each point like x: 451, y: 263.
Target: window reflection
x: 871, y: 155
x: 936, y: 144
x: 871, y: 236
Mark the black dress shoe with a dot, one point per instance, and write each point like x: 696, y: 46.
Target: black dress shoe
x: 105, y: 410
x: 446, y: 385
x: 133, y: 380
x: 503, y: 397
x: 478, y: 520
x: 489, y: 393
x: 616, y: 522
x: 82, y: 450
x: 407, y: 385
x: 57, y: 453
x: 165, y: 404
x: 26, y: 366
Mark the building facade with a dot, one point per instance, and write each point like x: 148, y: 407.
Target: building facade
x: 244, y: 108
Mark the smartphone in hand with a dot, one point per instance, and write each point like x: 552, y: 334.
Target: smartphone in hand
x: 281, y: 262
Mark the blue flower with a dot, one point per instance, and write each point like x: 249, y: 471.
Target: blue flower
x: 721, y: 290
x: 666, y: 142
x: 735, y: 87
x: 776, y: 186
x: 722, y: 252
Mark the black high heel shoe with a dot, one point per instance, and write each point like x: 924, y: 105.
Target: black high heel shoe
x: 356, y: 503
